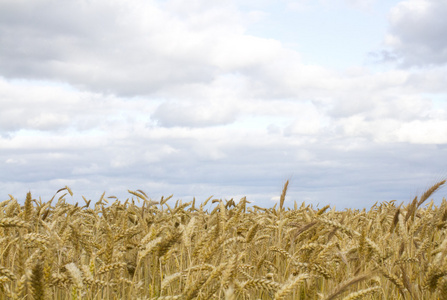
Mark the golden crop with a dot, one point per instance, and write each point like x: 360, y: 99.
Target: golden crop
x: 150, y: 250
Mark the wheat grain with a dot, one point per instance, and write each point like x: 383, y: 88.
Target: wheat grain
x: 362, y: 293
x: 288, y: 287
x: 13, y: 222
x: 37, y: 282
x: 75, y: 275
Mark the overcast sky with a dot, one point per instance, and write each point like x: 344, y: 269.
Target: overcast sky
x: 346, y: 98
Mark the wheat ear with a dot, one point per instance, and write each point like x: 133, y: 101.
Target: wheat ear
x: 290, y: 285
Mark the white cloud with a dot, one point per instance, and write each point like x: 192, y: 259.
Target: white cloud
x: 234, y: 52
x: 306, y: 5
x: 177, y: 97
x: 361, y: 3
x: 196, y: 114
x: 37, y: 105
x: 308, y: 121
x: 423, y: 132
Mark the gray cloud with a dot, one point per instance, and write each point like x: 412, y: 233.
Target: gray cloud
x: 109, y: 47
x: 125, y: 48
x: 224, y: 164
x: 417, y: 33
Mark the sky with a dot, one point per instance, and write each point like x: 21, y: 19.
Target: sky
x: 347, y: 99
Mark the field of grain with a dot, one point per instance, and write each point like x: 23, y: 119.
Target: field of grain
x: 142, y: 249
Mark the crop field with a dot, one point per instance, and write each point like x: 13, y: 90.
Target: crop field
x: 145, y: 249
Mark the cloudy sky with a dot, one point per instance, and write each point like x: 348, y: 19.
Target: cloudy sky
x: 346, y: 98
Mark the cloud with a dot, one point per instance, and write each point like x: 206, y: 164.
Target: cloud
x: 306, y: 5
x: 126, y: 48
x: 417, y: 33
x: 309, y: 121
x: 194, y: 114
x: 53, y: 107
x: 362, y: 4
x: 176, y: 97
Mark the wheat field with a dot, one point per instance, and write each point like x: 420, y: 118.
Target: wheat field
x: 142, y: 249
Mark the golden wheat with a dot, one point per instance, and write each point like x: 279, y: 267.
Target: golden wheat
x: 145, y: 249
